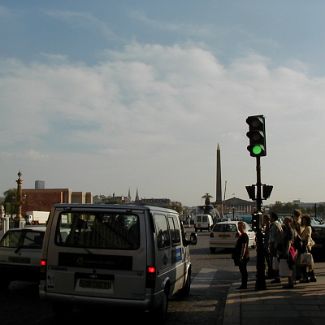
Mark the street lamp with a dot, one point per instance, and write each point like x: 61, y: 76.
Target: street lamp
x: 19, y: 218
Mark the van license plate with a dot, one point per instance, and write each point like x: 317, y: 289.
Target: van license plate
x: 95, y: 284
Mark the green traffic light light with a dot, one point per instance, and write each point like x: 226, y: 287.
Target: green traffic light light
x: 257, y: 150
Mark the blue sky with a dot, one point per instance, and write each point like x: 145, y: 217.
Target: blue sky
x: 104, y: 96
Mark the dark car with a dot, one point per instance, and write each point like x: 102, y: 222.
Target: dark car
x: 318, y: 236
x: 20, y: 252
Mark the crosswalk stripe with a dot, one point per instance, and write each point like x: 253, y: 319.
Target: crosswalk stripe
x: 203, y: 279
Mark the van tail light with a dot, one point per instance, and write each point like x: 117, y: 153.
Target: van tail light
x: 211, y: 234
x: 151, y: 274
x: 43, y: 264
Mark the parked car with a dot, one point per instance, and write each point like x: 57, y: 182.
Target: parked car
x: 20, y: 253
x: 129, y: 256
x: 224, y: 235
x: 318, y: 236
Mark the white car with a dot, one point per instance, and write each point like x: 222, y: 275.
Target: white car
x: 224, y: 235
x: 20, y: 252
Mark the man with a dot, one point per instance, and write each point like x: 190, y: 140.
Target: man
x: 275, y: 245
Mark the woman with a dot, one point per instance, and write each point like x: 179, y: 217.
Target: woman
x: 241, y: 254
x: 308, y: 243
x: 285, y: 254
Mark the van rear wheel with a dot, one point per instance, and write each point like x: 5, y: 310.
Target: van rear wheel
x: 159, y: 314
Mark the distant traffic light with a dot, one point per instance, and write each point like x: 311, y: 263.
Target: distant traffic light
x: 256, y: 135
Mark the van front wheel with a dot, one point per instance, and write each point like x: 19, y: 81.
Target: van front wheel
x: 185, y: 291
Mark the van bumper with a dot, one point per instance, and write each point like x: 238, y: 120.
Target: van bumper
x: 148, y: 303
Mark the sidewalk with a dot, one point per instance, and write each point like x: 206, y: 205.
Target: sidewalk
x: 303, y: 305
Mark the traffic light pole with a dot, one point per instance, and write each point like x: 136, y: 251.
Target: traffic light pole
x: 260, y: 283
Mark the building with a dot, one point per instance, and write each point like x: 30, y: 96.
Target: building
x: 238, y: 206
x: 43, y: 199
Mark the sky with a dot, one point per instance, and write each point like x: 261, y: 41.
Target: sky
x: 110, y: 96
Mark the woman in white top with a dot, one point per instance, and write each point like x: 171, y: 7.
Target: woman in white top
x: 306, y: 236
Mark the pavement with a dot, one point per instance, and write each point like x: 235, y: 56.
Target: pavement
x: 302, y: 305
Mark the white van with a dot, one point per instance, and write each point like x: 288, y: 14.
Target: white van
x: 203, y: 222
x: 115, y: 255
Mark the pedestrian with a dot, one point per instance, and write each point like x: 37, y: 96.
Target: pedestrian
x: 266, y: 226
x: 275, y: 242
x: 307, y: 271
x: 241, y: 253
x: 297, y: 243
x: 284, y: 254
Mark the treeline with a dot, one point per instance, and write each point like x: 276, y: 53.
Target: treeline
x: 287, y: 208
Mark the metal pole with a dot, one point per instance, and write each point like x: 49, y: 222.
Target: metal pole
x: 260, y: 283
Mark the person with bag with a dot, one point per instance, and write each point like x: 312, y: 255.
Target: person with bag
x: 287, y: 255
x: 306, y: 258
x: 241, y: 254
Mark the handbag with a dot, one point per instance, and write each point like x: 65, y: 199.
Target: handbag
x: 306, y: 259
x: 284, y: 270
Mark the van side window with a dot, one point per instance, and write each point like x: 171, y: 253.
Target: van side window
x: 162, y: 231
x: 174, y: 230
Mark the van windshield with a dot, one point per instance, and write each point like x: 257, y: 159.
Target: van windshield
x: 98, y: 230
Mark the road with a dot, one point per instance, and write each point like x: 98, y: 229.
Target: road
x: 211, y: 278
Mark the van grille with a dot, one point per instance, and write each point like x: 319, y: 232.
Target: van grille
x: 110, y: 262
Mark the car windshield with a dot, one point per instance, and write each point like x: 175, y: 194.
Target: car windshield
x: 22, y: 238
x: 98, y: 230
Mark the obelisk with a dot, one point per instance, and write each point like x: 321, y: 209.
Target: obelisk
x: 218, y: 178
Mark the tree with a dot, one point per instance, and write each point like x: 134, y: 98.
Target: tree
x: 10, y: 201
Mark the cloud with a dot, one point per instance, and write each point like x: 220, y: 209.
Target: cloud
x: 150, y: 116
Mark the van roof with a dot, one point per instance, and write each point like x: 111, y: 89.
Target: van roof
x: 104, y: 206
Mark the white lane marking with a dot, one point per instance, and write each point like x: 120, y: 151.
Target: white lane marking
x: 203, y: 279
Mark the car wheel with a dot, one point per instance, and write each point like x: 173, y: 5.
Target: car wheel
x: 159, y: 314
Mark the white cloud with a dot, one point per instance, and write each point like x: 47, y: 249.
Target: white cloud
x: 151, y: 116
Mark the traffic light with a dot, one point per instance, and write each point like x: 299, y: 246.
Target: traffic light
x: 251, y: 192
x: 267, y: 189
x: 256, y: 135
x: 256, y: 221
